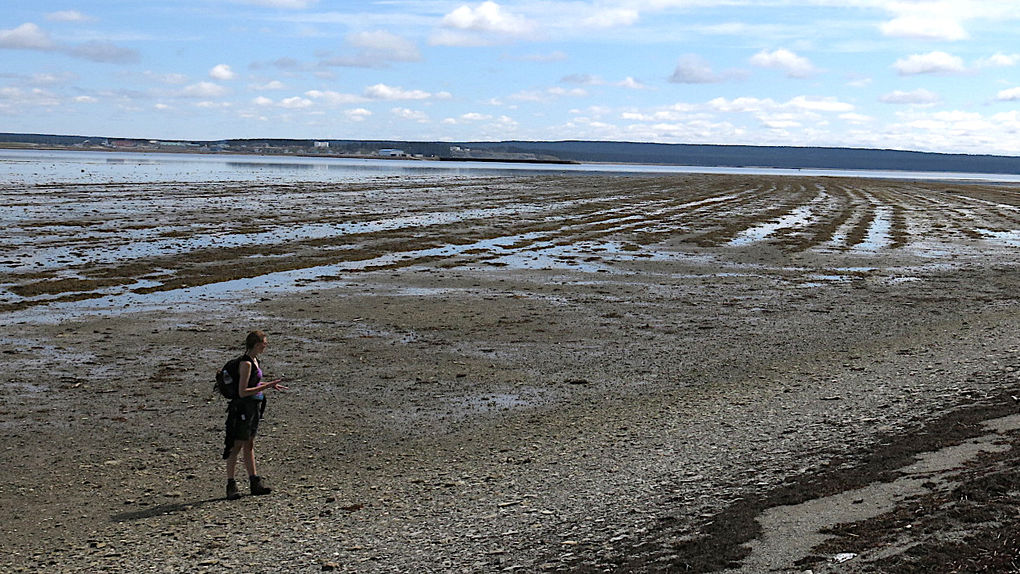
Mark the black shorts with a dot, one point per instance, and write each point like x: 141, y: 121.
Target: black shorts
x: 243, y: 417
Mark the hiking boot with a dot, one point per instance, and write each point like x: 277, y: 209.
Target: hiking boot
x: 232, y: 493
x: 257, y: 488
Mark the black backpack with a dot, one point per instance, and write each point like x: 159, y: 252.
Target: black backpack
x: 226, y: 378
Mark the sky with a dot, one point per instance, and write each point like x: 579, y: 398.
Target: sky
x: 925, y: 75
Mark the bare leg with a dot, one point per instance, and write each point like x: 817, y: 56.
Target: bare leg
x: 249, y: 456
x: 232, y: 459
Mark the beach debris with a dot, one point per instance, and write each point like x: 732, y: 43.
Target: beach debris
x: 844, y: 557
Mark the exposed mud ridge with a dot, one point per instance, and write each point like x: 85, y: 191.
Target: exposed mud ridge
x: 66, y: 248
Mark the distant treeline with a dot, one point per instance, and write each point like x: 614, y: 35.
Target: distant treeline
x: 621, y: 152
x: 759, y: 156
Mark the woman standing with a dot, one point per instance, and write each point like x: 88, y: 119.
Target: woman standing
x: 244, y: 414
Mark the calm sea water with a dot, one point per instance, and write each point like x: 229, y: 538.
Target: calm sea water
x: 33, y: 167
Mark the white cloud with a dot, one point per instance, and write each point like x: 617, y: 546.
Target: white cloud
x: 681, y: 112
x: 693, y: 69
x: 573, y: 92
x: 291, y: 103
x: 782, y: 59
x: 856, y: 118
x: 222, y: 72
x: 86, y: 100
x: 972, y: 119
x: 483, y: 25
x: 859, y: 82
x: 11, y: 97
x: 411, y: 115
x: 49, y: 79
x: 459, y: 39
x: 505, y: 123
x: 68, y: 16
x: 918, y: 96
x: 926, y: 20
x: 548, y: 94
x: 487, y: 17
x: 795, y: 112
x: 961, y: 132
x: 203, y: 90
x: 295, y: 103
x: 375, y: 49
x: 591, y: 80
x: 385, y: 45
x: 213, y: 105
x: 817, y: 104
x: 384, y: 92
x: 930, y: 63
x: 780, y: 121
x: 1010, y: 95
x: 357, y: 114
x: 1000, y: 60
x: 631, y: 83
x: 742, y: 104
x: 99, y: 51
x: 583, y: 79
x: 28, y: 36
x: 334, y: 98
x: 611, y: 18
x: 270, y: 85
x: 501, y: 123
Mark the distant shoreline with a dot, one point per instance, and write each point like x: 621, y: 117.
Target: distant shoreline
x: 482, y: 165
x: 565, y: 152
x: 29, y: 147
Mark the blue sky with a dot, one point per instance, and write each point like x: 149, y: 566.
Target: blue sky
x: 910, y: 74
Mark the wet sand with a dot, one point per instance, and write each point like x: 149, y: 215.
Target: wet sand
x: 576, y: 374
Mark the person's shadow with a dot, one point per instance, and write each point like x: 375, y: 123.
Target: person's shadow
x: 163, y: 509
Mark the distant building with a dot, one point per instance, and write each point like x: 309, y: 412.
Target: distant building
x: 171, y: 143
x: 322, y: 145
x: 392, y: 153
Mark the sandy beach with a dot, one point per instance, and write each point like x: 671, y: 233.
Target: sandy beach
x: 704, y: 373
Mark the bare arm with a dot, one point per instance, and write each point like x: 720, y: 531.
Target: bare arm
x: 244, y: 373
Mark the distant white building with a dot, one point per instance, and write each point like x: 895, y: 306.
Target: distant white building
x: 322, y: 145
x: 392, y: 153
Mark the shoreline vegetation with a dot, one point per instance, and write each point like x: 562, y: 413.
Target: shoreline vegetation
x: 17, y: 146
x: 531, y: 373
x: 566, y: 152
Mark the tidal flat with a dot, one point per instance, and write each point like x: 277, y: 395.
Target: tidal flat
x: 563, y: 373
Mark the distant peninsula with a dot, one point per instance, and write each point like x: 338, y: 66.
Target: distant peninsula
x: 569, y: 151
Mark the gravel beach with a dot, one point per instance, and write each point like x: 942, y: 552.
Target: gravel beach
x: 704, y: 373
